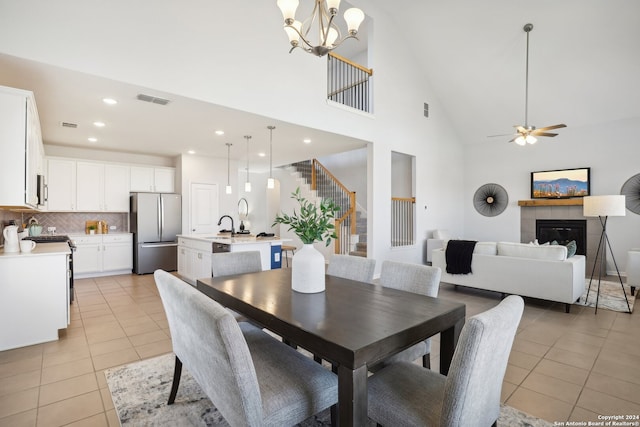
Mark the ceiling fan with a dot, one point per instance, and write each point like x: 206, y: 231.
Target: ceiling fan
x: 526, y: 134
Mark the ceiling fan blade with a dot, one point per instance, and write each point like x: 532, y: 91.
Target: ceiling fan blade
x: 536, y: 133
x: 552, y: 127
x: 503, y: 134
x: 520, y: 129
x: 511, y: 140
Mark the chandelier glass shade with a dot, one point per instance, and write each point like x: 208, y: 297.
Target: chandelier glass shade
x: 318, y: 34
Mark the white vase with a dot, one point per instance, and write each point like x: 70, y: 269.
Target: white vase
x: 307, y: 270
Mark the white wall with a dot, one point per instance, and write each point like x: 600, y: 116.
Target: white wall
x: 610, y: 149
x: 192, y: 56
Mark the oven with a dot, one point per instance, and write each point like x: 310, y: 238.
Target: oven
x: 54, y: 238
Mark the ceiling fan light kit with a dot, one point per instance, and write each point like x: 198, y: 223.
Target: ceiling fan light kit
x: 526, y: 134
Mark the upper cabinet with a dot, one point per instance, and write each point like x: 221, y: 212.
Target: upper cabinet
x: 92, y: 186
x: 21, y: 143
x: 150, y: 179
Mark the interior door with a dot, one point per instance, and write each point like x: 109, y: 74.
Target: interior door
x: 204, y: 208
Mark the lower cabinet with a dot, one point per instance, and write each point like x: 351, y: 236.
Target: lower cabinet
x: 103, y: 255
x: 194, y: 259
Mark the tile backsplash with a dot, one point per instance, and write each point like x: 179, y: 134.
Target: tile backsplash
x: 69, y: 222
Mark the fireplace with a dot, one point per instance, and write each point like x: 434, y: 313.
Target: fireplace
x: 563, y: 231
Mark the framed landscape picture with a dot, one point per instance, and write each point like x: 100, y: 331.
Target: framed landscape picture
x: 563, y: 183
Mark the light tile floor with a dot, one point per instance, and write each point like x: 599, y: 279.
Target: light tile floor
x: 562, y: 367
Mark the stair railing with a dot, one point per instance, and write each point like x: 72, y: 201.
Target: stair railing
x: 328, y: 186
x: 348, y: 82
x: 402, y: 221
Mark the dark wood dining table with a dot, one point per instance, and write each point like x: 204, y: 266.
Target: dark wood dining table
x: 351, y: 324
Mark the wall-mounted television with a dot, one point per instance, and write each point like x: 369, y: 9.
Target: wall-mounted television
x: 562, y: 183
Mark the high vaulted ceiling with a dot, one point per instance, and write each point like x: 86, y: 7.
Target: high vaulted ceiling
x: 584, y: 68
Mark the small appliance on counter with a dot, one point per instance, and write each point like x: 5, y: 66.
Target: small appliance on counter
x: 34, y: 228
x: 11, y: 242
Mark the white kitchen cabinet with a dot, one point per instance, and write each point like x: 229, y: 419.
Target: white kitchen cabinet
x: 102, y: 187
x: 89, y: 186
x: 88, y: 255
x: 194, y: 259
x: 61, y: 185
x: 117, y: 254
x: 34, y: 295
x: 103, y: 255
x: 21, y: 143
x: 116, y: 188
x: 161, y: 180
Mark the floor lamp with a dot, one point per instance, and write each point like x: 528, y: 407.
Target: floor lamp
x: 603, y: 207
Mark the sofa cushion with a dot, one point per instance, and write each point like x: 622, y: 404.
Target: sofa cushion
x: 486, y: 248
x: 572, y: 247
x: 524, y: 250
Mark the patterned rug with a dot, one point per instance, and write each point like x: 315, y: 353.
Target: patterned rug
x: 140, y: 390
x: 611, y: 296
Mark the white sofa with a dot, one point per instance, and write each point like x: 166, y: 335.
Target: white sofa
x: 542, y: 272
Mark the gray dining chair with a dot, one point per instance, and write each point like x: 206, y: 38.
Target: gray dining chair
x: 253, y: 379
x: 228, y: 263
x: 419, y: 279
x: 352, y: 267
x: 409, y: 395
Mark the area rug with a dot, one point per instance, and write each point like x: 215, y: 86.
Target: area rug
x: 140, y: 390
x: 611, y: 296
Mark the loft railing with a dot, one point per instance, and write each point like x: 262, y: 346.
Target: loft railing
x: 402, y: 221
x: 348, y: 83
x: 328, y: 186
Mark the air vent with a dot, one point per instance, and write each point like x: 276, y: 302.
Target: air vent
x: 426, y: 109
x: 69, y: 125
x: 152, y: 99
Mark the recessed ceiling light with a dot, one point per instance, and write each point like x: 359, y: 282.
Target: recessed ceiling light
x: 219, y: 132
x: 92, y: 139
x: 99, y: 124
x: 109, y: 101
x: 261, y: 154
x: 191, y: 152
x: 307, y: 141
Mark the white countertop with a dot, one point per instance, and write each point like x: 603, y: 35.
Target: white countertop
x: 41, y: 249
x: 236, y: 240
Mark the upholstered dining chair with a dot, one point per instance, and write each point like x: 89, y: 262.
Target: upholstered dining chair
x: 352, y: 267
x: 409, y: 395
x: 227, y: 263
x: 253, y: 379
x: 419, y: 279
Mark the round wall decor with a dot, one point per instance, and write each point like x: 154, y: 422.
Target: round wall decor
x: 631, y: 191
x: 490, y: 199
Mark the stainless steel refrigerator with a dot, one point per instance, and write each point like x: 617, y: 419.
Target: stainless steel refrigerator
x: 155, y: 221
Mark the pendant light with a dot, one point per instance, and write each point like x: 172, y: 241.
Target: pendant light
x: 271, y: 183
x: 228, y: 189
x: 247, y: 184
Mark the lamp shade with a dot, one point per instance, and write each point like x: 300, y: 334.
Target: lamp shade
x: 613, y: 205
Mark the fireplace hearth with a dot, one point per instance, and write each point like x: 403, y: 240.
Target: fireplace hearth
x: 563, y: 231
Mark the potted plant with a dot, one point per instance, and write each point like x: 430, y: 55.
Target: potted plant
x: 92, y: 229
x: 312, y: 223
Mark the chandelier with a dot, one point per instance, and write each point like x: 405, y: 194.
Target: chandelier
x: 328, y: 34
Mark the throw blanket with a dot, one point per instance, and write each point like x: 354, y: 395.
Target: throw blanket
x: 458, y: 255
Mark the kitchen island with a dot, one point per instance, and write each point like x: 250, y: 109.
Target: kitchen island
x: 195, y: 251
x: 34, y: 295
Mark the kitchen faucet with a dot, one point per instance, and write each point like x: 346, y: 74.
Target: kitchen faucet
x: 233, y: 231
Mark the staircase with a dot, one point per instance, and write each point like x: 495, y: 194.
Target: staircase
x: 351, y: 237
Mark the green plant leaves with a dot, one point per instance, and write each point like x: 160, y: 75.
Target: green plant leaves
x: 313, y: 223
